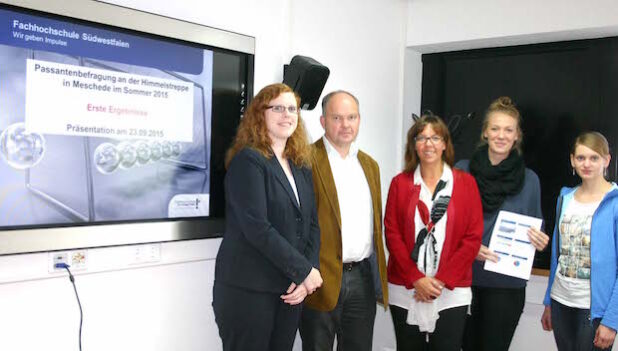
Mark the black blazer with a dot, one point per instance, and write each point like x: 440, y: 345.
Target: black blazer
x: 269, y: 241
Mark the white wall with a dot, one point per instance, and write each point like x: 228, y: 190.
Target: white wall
x: 445, y: 25
x: 166, y: 306
x: 365, y: 55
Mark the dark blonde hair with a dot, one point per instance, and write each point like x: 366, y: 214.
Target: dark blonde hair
x: 252, y: 131
x: 505, y: 105
x: 440, y: 128
x: 594, y: 141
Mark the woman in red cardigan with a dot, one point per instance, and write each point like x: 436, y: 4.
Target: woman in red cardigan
x: 433, y: 225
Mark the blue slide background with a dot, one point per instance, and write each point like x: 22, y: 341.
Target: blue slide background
x: 141, y: 192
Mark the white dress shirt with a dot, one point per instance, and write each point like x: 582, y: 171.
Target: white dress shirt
x: 354, y: 203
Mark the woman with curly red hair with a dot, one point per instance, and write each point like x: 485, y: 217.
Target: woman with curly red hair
x: 268, y: 260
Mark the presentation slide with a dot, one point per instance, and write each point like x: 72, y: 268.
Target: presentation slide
x: 100, y: 125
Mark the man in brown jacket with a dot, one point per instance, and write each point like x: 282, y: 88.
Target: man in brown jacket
x: 352, y: 262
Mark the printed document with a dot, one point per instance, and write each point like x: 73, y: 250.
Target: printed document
x: 510, y: 241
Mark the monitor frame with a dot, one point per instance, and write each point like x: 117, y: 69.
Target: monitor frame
x: 69, y: 237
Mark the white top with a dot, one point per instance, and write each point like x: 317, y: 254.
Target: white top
x: 572, y: 283
x: 354, y: 203
x: 425, y: 314
x: 293, y: 184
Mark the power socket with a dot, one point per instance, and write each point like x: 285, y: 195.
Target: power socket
x: 77, y: 260
x: 56, y: 258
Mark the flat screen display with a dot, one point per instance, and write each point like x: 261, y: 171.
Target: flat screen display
x: 104, y: 125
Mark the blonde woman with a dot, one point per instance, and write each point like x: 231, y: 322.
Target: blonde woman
x: 581, y: 302
x: 505, y: 185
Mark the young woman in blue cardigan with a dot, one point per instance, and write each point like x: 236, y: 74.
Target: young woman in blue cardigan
x: 581, y: 302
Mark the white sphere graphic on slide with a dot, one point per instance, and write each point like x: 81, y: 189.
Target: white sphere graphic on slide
x: 176, y: 149
x: 20, y: 149
x: 166, y: 149
x: 128, y: 154
x: 107, y: 158
x: 143, y: 151
x: 156, y: 151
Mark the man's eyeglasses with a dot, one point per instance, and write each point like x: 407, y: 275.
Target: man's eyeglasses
x: 423, y: 139
x: 280, y: 109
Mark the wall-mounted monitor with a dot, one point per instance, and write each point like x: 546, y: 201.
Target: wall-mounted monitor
x: 113, y: 125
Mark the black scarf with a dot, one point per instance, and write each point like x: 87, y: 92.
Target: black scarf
x: 497, y: 182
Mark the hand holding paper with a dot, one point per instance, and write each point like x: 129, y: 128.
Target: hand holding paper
x: 538, y: 239
x: 515, y: 247
x: 485, y: 254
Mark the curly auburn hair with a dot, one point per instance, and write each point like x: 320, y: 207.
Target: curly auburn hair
x: 252, y: 131
x: 438, y: 126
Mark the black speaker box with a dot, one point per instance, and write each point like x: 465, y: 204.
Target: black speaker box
x: 307, y: 78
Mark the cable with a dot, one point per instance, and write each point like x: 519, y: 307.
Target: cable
x: 81, y: 313
x: 453, y: 124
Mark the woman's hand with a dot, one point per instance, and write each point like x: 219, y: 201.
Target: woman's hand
x: 427, y: 289
x: 604, y: 337
x: 546, y: 319
x: 313, y: 281
x: 295, y: 294
x: 538, y: 239
x: 486, y: 254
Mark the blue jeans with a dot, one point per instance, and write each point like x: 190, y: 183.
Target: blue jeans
x: 573, y: 330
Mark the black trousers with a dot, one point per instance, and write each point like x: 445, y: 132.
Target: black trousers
x: 446, y: 337
x: 254, y: 321
x: 494, y: 317
x: 573, y: 330
x: 352, y: 319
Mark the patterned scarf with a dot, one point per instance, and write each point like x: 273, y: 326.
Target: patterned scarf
x: 426, y: 234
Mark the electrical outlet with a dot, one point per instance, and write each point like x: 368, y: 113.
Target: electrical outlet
x: 77, y: 260
x: 57, y: 257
